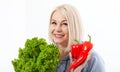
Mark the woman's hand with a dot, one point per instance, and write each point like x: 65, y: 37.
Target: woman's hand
x: 80, y: 67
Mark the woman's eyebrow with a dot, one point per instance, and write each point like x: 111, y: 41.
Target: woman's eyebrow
x: 53, y: 20
x: 64, y: 20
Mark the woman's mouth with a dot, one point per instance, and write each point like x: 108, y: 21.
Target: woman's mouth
x: 59, y: 35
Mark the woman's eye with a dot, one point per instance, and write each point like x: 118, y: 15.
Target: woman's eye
x: 65, y: 24
x: 53, y: 23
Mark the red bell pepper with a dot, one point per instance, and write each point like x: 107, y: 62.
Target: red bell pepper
x: 80, y: 52
x: 76, y: 50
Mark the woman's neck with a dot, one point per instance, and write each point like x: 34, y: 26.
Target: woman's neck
x: 63, y: 51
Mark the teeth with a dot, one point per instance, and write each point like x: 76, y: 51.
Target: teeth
x: 59, y: 36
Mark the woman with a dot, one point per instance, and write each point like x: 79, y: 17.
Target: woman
x: 64, y: 27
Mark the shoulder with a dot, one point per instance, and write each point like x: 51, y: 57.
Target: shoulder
x: 96, y: 57
x: 95, y: 64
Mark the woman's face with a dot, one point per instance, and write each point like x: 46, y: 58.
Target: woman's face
x: 59, y: 28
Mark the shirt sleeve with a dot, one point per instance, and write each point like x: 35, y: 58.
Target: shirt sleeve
x: 95, y: 64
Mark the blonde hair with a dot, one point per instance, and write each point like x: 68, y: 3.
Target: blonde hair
x: 74, y: 23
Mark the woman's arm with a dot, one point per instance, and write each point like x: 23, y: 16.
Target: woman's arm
x: 93, y: 63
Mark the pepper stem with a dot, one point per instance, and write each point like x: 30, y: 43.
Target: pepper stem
x: 89, y: 38
x: 76, y: 41
x: 79, y: 42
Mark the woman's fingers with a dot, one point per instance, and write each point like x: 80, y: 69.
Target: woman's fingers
x: 80, y: 67
x: 71, y: 60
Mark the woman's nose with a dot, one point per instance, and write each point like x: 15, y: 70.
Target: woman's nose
x: 58, y: 28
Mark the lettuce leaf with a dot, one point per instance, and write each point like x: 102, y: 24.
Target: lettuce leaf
x: 37, y: 56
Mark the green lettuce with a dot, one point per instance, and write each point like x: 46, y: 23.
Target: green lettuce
x: 37, y: 56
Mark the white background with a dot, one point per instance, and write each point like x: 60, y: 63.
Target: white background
x: 22, y: 19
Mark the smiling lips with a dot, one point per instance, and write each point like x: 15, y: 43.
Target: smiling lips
x: 59, y: 35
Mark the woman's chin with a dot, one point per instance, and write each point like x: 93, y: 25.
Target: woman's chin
x: 58, y: 42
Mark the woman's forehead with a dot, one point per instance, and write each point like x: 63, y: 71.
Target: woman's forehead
x: 57, y: 15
